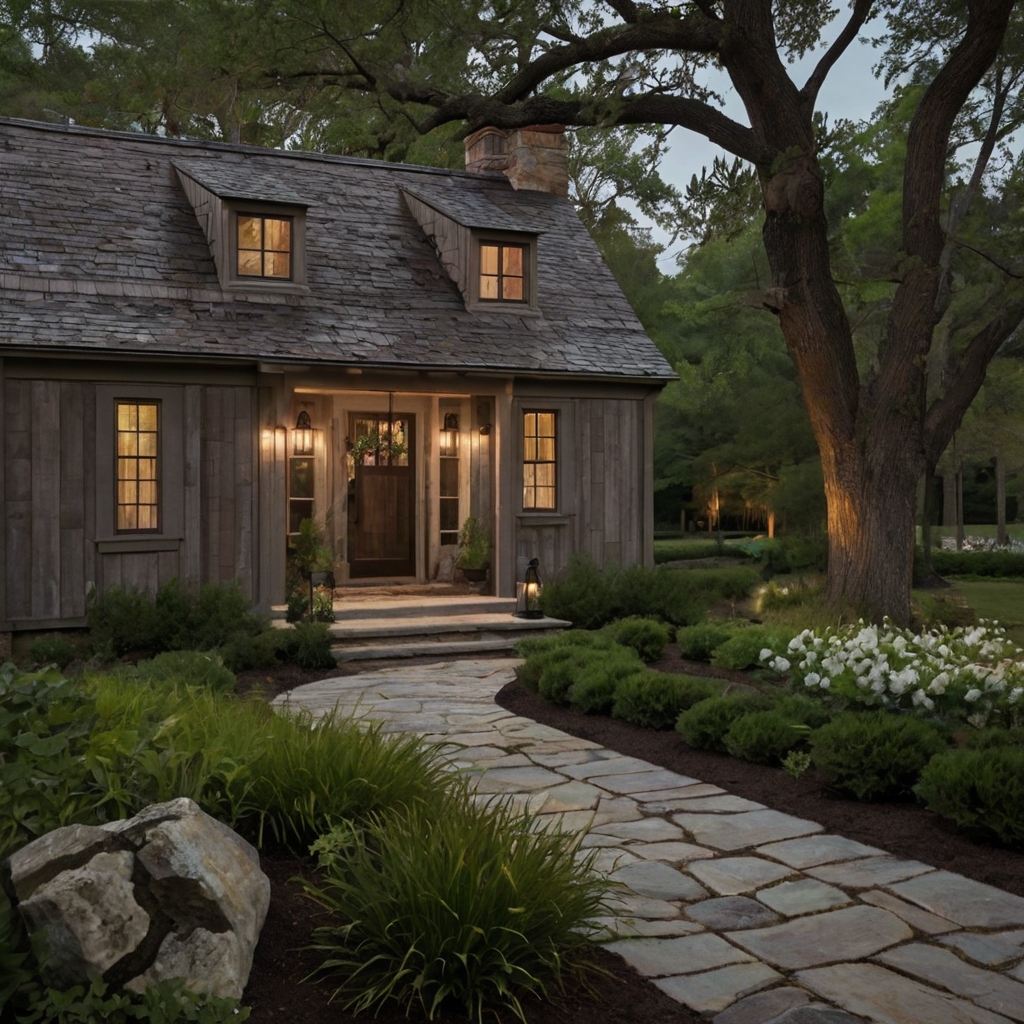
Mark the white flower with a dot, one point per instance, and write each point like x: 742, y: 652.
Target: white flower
x: 972, y: 695
x: 812, y: 679
x: 766, y: 653
x: 939, y: 683
x: 780, y: 664
x: 825, y: 682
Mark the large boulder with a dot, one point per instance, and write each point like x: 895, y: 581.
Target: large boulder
x: 170, y: 893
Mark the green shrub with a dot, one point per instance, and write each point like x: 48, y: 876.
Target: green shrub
x: 192, y: 667
x: 53, y: 649
x: 704, y: 725
x: 990, y: 739
x: 246, y: 651
x: 647, y: 637
x: 656, y: 699
x: 306, y: 644
x: 979, y: 789
x: 680, y: 550
x: 796, y: 554
x: 875, y: 755
x: 453, y: 905
x: 596, y: 680
x: 978, y: 563
x: 121, y: 621
x: 590, y: 597
x: 804, y: 710
x: 764, y: 737
x: 699, y: 642
x: 543, y: 652
x: 743, y: 649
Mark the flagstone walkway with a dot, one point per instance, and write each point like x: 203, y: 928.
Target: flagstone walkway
x: 740, y: 912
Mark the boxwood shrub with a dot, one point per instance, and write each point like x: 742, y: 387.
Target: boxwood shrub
x: 764, y: 737
x: 978, y: 789
x: 705, y: 724
x: 700, y: 641
x: 656, y: 699
x: 743, y: 649
x: 647, y: 637
x: 875, y: 755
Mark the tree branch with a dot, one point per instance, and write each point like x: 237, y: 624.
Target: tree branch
x: 861, y: 12
x: 625, y: 9
x: 943, y: 418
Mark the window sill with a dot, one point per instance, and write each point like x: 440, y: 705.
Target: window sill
x: 543, y: 519
x: 265, y: 286
x: 519, y: 308
x: 136, y: 545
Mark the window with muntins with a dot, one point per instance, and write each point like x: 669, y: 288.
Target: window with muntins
x: 264, y: 246
x: 502, y: 272
x: 138, y: 476
x: 539, y: 461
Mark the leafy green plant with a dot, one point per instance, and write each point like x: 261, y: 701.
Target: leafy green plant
x: 121, y: 621
x: 992, y: 738
x: 543, y: 653
x: 453, y: 905
x: 246, y: 651
x: 978, y: 789
x: 704, y: 725
x: 764, y: 737
x: 306, y: 644
x: 875, y: 755
x: 1005, y: 564
x: 596, y: 682
x: 193, y: 667
x: 647, y: 637
x: 53, y: 649
x: 743, y: 649
x: 796, y: 763
x: 656, y: 699
x: 700, y: 641
x: 296, y: 607
x: 166, y: 1002
x: 474, y: 545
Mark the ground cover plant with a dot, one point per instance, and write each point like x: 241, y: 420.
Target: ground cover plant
x: 679, y: 549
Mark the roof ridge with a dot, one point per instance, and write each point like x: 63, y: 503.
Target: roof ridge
x: 244, y: 148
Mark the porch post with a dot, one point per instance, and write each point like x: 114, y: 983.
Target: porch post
x: 504, y: 513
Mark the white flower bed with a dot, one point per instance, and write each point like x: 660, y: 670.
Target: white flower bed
x: 966, y: 673
x: 982, y: 544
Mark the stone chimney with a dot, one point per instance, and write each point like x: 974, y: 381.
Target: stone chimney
x: 534, y: 158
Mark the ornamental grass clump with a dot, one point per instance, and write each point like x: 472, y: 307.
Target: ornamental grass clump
x: 448, y: 905
x: 974, y: 674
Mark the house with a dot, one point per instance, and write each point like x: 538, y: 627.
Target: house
x: 203, y: 344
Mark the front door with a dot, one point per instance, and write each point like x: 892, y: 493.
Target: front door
x: 381, y: 505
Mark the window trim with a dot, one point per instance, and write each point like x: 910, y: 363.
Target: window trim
x: 157, y: 478
x: 232, y: 280
x: 171, y: 465
x: 263, y: 250
x: 528, y: 242
x: 524, y: 462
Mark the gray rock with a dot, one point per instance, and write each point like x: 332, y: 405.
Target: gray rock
x: 732, y: 912
x: 746, y: 828
x: 990, y: 950
x: 813, y: 850
x: 171, y: 893
x: 803, y: 897
x: 869, y: 872
x: 729, y: 876
x: 715, y: 990
x: 687, y: 954
x: 817, y: 1014
x: 657, y: 880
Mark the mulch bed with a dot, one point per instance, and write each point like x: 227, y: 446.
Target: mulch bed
x: 617, y: 994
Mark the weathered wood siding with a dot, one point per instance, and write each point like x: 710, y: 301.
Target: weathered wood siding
x: 604, y: 501
x: 56, y: 549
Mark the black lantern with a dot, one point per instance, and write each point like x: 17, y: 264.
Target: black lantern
x: 303, y: 434
x: 528, y: 598
x: 450, y: 436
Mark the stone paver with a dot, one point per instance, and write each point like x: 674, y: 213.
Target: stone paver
x: 802, y: 897
x: 848, y: 934
x: 968, y: 903
x: 664, y: 840
x: 730, y: 876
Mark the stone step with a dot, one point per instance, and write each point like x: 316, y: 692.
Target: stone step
x: 434, y: 625
x: 425, y: 647
x: 350, y: 605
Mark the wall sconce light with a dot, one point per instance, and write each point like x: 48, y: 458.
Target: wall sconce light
x: 303, y: 441
x: 528, y: 598
x: 450, y: 436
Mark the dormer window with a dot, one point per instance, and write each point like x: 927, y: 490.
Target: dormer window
x: 264, y: 246
x: 502, y: 272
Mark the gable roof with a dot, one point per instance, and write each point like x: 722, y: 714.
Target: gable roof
x: 100, y: 251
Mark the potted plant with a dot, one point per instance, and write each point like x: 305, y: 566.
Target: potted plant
x: 474, y: 550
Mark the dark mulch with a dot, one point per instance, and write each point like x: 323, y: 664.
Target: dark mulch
x: 276, y: 991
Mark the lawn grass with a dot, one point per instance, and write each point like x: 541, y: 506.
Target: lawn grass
x: 997, y: 599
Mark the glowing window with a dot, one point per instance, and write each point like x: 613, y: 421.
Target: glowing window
x: 264, y: 246
x: 502, y: 272
x: 138, y: 480
x: 539, y: 464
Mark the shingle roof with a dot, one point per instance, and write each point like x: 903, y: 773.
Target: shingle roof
x: 100, y: 250
x: 254, y: 183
